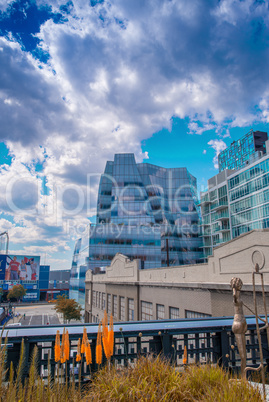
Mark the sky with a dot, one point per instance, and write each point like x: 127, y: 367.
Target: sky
x: 172, y: 81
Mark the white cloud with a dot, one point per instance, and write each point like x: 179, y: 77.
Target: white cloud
x: 218, y: 146
x: 117, y: 73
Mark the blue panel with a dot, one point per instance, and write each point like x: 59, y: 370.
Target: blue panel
x: 3, y: 261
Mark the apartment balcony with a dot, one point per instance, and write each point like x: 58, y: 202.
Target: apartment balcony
x: 219, y: 241
x: 205, y: 235
x: 206, y: 246
x: 221, y: 229
x: 204, y: 202
x: 222, y: 216
x: 217, y: 206
x: 204, y: 224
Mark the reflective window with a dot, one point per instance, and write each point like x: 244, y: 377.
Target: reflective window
x: 160, y: 311
x: 94, y: 298
x: 109, y: 310
x: 146, y: 311
x: 131, y: 309
x: 115, y: 306
x: 173, y: 313
x: 195, y: 314
x: 122, y: 308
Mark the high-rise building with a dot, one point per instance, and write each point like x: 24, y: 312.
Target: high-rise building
x: 145, y: 212
x: 141, y: 210
x: 243, y: 151
x: 235, y: 203
x: 80, y: 264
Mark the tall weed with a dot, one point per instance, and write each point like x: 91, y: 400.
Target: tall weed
x: 150, y: 379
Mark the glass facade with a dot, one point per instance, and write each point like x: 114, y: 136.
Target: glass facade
x: 237, y: 204
x: 215, y: 216
x: 240, y: 152
x: 44, y: 274
x: 80, y: 264
x: 145, y: 212
x: 249, y: 198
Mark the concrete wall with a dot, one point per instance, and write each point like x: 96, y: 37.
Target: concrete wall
x: 201, y: 288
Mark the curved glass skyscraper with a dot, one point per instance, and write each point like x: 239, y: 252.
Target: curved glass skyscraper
x: 145, y: 212
x: 80, y: 264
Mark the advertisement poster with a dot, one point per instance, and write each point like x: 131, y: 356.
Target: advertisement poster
x: 21, y: 268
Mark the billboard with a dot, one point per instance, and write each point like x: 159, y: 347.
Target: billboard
x: 19, y: 268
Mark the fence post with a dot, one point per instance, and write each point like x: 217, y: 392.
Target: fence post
x: 155, y: 345
x: 225, y: 349
x: 221, y: 348
x: 167, y: 346
x: 26, y: 359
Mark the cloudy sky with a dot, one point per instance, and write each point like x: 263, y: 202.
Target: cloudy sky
x: 173, y: 81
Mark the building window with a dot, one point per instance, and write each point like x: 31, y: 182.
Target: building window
x: 173, y: 313
x: 122, y: 308
x: 146, y: 311
x: 109, y: 304
x: 88, y: 297
x: 195, y: 314
x: 160, y: 311
x: 103, y: 301
x: 94, y: 298
x: 100, y: 297
x: 131, y: 309
x: 115, y: 306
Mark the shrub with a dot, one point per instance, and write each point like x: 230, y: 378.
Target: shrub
x: 150, y: 379
x: 154, y: 379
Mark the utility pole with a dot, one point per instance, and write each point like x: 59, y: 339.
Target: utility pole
x: 167, y: 252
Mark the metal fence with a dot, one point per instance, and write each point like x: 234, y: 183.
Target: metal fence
x: 206, y: 340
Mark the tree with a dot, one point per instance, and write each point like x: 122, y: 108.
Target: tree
x: 70, y: 309
x: 16, y: 292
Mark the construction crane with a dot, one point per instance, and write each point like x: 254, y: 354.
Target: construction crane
x: 2, y: 234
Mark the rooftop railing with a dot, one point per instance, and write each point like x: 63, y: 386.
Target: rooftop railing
x: 206, y: 339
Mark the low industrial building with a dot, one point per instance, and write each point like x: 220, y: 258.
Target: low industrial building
x: 191, y: 291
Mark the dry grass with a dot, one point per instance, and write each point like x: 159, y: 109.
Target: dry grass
x: 156, y: 380
x: 151, y: 379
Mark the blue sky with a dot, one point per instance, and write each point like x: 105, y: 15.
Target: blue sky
x: 172, y: 81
